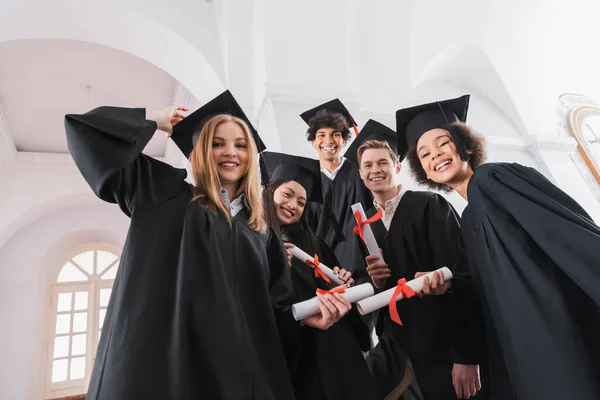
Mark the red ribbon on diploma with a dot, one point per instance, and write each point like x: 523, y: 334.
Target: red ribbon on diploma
x: 339, y: 289
x: 360, y: 224
x: 407, y: 293
x: 318, y: 270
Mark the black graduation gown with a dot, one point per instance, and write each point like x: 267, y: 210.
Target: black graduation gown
x: 333, y: 222
x: 329, y: 365
x: 533, y: 251
x: 196, y: 302
x: 438, y: 331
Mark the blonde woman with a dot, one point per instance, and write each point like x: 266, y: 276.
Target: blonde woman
x: 200, y: 293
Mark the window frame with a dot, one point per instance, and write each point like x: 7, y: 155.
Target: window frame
x: 92, y: 286
x: 576, y: 117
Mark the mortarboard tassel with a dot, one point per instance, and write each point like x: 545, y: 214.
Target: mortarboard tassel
x: 460, y: 147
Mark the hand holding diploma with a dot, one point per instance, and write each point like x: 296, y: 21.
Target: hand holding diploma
x: 435, y: 286
x: 402, y: 290
x: 288, y: 246
x: 345, y: 276
x: 332, y: 306
x: 378, y: 271
x: 320, y: 269
x: 310, y: 307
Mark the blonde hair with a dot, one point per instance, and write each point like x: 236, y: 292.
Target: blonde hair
x: 205, y: 173
x: 376, y: 144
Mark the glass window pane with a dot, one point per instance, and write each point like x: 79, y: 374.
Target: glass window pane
x: 59, y: 370
x: 78, y: 368
x: 80, y: 322
x: 81, y: 300
x: 105, y: 296
x: 61, y: 346
x: 596, y: 152
x: 99, y: 334
x: 101, y: 318
x: 85, y: 261
x: 70, y: 273
x: 64, y: 302
x: 78, y: 345
x: 105, y: 259
x: 111, y: 273
x: 63, y: 323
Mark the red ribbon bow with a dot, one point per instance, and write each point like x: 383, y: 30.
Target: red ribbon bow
x: 339, y: 289
x: 360, y: 224
x: 318, y: 271
x: 407, y: 293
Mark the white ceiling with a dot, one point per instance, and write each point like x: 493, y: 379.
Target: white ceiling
x: 41, y: 80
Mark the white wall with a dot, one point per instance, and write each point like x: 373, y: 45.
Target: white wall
x: 28, y: 263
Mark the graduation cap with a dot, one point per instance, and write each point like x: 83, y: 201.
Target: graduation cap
x: 372, y: 130
x: 413, y: 122
x: 333, y: 106
x: 305, y: 171
x: 186, y: 133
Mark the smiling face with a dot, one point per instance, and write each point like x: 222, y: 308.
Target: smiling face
x: 290, y: 200
x: 329, y: 143
x: 378, y: 171
x: 439, y: 159
x: 230, y: 153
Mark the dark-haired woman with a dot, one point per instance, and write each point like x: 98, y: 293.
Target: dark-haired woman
x: 327, y: 364
x: 531, y: 249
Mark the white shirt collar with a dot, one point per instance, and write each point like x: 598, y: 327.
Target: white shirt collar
x: 390, y: 207
x: 236, y: 205
x: 332, y: 175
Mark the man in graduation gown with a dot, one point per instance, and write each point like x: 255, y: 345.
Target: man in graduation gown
x: 531, y: 250
x: 328, y: 131
x: 443, y: 336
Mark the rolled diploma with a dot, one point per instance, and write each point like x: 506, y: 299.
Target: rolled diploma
x: 302, y: 256
x: 370, y: 241
x: 382, y: 299
x: 310, y: 307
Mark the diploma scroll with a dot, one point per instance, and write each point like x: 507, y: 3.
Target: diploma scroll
x: 302, y: 256
x: 370, y: 241
x: 383, y: 299
x: 310, y: 307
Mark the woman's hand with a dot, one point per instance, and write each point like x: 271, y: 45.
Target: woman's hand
x: 345, y: 276
x: 378, y: 271
x: 436, y: 286
x: 333, y: 307
x: 289, y: 253
x: 167, y: 118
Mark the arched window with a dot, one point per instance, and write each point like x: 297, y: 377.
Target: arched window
x: 578, y: 116
x: 584, y: 123
x: 80, y: 297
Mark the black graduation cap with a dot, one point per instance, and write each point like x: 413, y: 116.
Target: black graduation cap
x: 413, y: 122
x: 372, y: 130
x: 305, y: 171
x: 333, y: 106
x: 186, y: 133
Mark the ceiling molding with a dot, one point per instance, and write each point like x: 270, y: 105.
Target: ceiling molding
x: 555, y: 143
x: 47, y: 159
x: 8, y: 150
x: 30, y: 158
